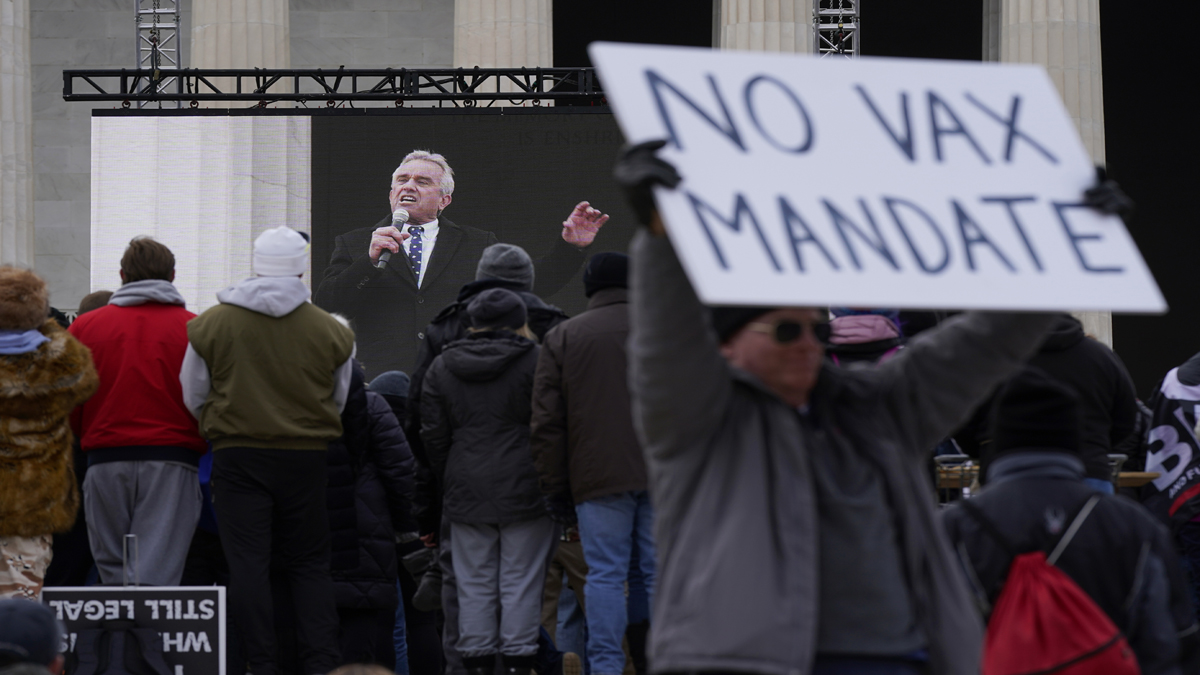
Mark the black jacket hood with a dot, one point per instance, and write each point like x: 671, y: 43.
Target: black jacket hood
x: 484, y: 356
x: 1066, y: 332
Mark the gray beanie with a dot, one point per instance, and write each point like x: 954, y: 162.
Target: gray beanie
x: 507, y: 263
x: 496, y: 308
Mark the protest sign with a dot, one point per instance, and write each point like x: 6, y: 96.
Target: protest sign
x: 874, y: 182
x: 189, y: 620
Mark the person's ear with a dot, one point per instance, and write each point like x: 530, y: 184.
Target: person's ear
x: 172, y: 277
x: 123, y: 277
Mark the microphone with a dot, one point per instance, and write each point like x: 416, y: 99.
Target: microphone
x: 399, y: 218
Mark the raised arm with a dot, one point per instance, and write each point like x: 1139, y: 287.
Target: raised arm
x: 553, y: 270
x: 679, y: 381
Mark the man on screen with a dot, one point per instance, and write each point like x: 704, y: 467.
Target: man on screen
x: 434, y: 257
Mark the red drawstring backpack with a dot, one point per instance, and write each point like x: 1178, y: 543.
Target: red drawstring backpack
x: 1043, y: 622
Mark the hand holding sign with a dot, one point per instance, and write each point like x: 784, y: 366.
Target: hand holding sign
x: 874, y: 182
x: 638, y: 170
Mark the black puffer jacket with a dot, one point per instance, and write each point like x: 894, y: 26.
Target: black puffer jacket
x: 448, y: 326
x: 475, y: 412
x: 371, y: 468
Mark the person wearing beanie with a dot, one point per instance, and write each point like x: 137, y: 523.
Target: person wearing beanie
x: 266, y: 374
x: 44, y: 374
x: 506, y: 262
x: 1035, y: 488
x: 416, y: 633
x: 142, y: 446
x: 1105, y: 390
x: 794, y: 516
x: 475, y: 412
x: 29, y: 634
x: 500, y: 266
x: 432, y: 259
x: 590, y: 464
x: 369, y: 496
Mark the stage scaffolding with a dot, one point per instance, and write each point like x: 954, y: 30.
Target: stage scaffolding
x: 157, y: 48
x: 459, y: 87
x: 836, y: 28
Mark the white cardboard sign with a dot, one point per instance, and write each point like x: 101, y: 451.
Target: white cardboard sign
x: 874, y: 182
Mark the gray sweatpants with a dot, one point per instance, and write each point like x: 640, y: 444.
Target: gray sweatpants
x: 158, y: 501
x: 499, y: 571
x: 454, y: 664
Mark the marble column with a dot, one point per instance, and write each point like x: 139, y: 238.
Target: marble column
x: 503, y: 34
x: 240, y: 34
x: 767, y: 25
x: 1064, y: 37
x: 16, y: 136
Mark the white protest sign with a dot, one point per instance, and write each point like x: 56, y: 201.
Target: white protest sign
x: 874, y: 182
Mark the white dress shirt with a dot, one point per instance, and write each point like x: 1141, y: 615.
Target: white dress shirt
x: 428, y: 239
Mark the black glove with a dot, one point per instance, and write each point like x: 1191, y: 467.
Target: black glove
x: 561, y: 508
x: 1107, y: 197
x: 637, y: 170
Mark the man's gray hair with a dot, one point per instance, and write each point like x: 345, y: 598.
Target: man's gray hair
x: 447, y: 185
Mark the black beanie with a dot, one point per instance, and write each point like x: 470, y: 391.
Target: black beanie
x: 496, y: 308
x: 729, y: 320
x: 1033, y: 411
x: 606, y: 270
x: 391, y: 383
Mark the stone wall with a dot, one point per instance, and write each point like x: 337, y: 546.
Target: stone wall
x: 372, y: 34
x: 72, y: 34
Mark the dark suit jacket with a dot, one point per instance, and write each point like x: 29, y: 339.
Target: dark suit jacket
x: 390, y: 313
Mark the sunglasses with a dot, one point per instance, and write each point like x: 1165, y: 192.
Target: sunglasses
x: 788, y: 331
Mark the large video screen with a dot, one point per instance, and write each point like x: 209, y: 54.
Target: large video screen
x: 208, y: 185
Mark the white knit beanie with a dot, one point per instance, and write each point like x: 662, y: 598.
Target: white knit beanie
x: 280, y: 252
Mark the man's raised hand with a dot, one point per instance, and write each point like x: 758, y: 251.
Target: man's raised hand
x: 580, y: 228
x: 386, y: 239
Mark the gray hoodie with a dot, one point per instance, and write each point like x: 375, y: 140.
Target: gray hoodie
x: 272, y: 296
x: 147, y: 290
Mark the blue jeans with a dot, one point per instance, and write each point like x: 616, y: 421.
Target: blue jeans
x: 639, y: 599
x: 399, y: 638
x: 609, y: 528
x: 572, y: 625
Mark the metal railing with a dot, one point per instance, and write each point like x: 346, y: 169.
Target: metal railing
x: 466, y: 87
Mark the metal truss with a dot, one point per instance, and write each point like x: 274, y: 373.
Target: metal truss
x: 465, y: 87
x: 158, y: 41
x: 836, y: 28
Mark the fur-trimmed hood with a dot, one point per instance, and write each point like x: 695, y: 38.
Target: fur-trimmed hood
x: 38, y: 391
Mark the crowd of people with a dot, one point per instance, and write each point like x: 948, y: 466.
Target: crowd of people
x: 712, y: 489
